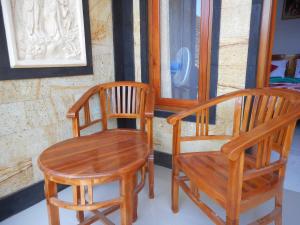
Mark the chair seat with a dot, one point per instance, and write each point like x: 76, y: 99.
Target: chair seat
x: 209, y: 171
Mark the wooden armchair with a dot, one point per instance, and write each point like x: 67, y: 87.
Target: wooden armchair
x: 245, y: 173
x: 126, y: 99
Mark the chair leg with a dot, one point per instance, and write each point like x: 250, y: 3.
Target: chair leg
x: 232, y: 221
x: 151, y: 176
x: 232, y: 215
x: 175, y: 190
x: 278, y: 204
x: 80, y: 216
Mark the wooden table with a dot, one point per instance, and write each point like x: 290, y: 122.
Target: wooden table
x: 100, y: 158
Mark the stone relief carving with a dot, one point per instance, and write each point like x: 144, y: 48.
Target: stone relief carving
x: 44, y: 33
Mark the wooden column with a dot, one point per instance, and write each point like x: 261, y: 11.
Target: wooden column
x: 267, y: 31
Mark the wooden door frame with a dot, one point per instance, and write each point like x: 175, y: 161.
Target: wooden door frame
x: 266, y: 41
x: 204, y: 51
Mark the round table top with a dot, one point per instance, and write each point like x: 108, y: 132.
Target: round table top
x: 104, y: 154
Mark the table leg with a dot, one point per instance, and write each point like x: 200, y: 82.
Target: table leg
x: 53, y: 211
x: 135, y: 198
x: 79, y: 214
x: 127, y: 195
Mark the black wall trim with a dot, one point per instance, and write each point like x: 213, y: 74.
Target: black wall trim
x: 29, y: 196
x: 123, y: 47
x: 253, y: 48
x: 214, y: 69
x: 7, y: 73
x: 23, y: 199
x: 123, y: 39
x: 163, y: 159
x: 144, y: 40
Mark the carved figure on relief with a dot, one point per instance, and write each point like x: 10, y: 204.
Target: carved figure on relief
x: 50, y: 29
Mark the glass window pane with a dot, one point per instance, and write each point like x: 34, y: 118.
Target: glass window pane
x: 180, y: 41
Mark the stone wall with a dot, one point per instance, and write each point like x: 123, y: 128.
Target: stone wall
x: 33, y: 112
x: 234, y: 38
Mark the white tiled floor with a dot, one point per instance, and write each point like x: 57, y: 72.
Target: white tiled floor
x: 158, y: 212
x: 292, y: 180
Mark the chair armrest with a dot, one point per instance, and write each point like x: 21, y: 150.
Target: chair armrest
x: 73, y: 111
x: 237, y: 145
x: 150, y: 103
x: 205, y: 105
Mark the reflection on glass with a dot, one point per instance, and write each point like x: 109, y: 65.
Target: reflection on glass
x: 180, y: 38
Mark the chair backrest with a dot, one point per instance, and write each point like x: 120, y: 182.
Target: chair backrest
x: 124, y: 100
x: 259, y: 106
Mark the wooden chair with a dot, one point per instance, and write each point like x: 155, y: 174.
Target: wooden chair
x: 243, y: 174
x: 126, y: 99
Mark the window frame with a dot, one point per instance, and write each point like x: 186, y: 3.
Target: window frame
x: 204, y: 56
